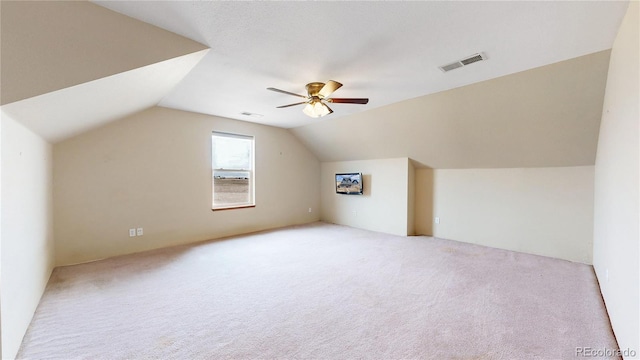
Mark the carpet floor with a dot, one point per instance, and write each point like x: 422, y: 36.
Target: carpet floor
x: 320, y: 291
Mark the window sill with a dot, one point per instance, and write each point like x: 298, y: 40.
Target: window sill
x: 234, y: 207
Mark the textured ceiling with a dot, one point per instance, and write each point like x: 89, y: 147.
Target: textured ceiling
x: 547, y: 116
x: 387, y: 51
x: 70, y: 66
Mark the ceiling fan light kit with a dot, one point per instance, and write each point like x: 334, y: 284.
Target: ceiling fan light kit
x: 317, y: 109
x: 317, y: 97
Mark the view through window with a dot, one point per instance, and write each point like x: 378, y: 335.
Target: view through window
x: 232, y: 162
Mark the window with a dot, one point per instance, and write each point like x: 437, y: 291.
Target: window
x: 233, y: 178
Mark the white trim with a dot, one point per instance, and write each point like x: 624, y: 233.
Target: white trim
x: 251, y: 172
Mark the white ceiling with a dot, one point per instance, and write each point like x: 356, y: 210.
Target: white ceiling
x: 387, y: 51
x: 61, y: 114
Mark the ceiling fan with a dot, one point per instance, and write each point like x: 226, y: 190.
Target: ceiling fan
x: 318, y: 96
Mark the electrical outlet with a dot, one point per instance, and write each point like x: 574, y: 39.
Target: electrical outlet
x: 355, y: 213
x: 139, y: 232
x: 437, y: 220
x: 132, y: 232
x: 309, y: 209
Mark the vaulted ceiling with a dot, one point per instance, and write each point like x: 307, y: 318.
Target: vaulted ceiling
x: 547, y: 116
x: 70, y: 66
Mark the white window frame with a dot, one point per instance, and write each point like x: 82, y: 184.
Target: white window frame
x: 251, y: 171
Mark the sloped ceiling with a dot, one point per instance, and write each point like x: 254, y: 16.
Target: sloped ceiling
x: 52, y: 45
x: 548, y: 116
x: 387, y: 51
x: 70, y: 66
x: 64, y: 113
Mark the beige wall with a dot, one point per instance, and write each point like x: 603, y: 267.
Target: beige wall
x: 27, y: 229
x: 383, y: 207
x: 411, y: 199
x: 96, y: 103
x: 543, y: 211
x: 424, y: 201
x: 51, y: 45
x: 153, y: 170
x: 616, y: 235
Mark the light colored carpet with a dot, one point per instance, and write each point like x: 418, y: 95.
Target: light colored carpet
x: 321, y: 291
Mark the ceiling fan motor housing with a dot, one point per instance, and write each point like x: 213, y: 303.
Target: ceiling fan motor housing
x: 313, y: 89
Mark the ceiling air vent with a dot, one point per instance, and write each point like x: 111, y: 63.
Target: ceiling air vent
x: 464, y: 62
x: 246, y: 113
x: 451, y: 66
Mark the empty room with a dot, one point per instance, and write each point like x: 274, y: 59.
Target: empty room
x: 319, y: 180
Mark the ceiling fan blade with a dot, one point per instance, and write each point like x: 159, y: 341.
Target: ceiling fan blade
x: 286, y: 92
x: 330, y: 111
x: 329, y: 88
x: 284, y: 106
x: 348, y: 100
